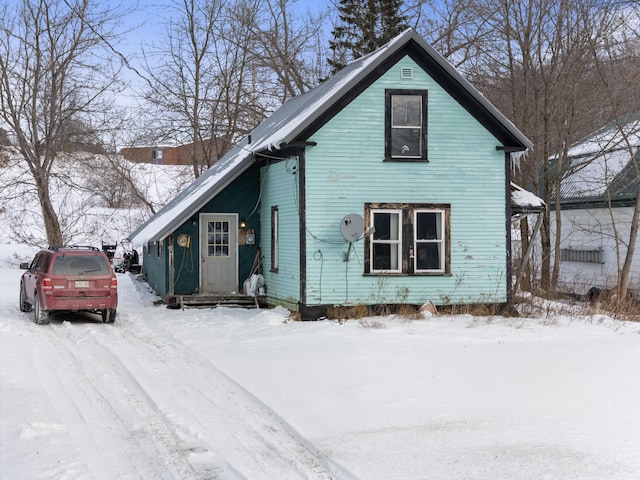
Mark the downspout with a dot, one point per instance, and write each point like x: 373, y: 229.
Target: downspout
x: 302, y: 226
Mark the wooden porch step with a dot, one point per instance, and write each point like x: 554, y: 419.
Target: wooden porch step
x: 212, y: 301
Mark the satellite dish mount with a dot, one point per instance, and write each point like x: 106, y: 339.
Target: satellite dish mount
x: 352, y: 229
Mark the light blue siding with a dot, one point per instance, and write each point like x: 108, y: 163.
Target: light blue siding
x: 280, y: 188
x: 346, y: 169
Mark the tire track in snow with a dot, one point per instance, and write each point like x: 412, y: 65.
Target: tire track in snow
x: 141, y: 404
x: 214, y: 415
x: 116, y: 429
x: 68, y: 409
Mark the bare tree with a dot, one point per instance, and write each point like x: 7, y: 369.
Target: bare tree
x: 54, y: 76
x: 453, y: 27
x: 183, y: 81
x: 535, y: 67
x: 617, y: 62
x: 222, y: 68
x: 286, y: 47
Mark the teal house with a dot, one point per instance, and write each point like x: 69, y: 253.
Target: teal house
x: 389, y: 183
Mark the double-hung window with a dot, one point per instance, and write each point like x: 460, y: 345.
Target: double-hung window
x: 429, y: 241
x: 386, y: 240
x: 406, y: 125
x: 407, y: 239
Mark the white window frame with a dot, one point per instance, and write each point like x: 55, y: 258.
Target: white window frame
x: 439, y: 241
x: 397, y: 242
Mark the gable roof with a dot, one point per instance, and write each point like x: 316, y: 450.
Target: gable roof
x: 604, y: 165
x: 299, y: 117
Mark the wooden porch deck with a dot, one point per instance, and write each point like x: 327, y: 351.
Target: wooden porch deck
x: 215, y: 300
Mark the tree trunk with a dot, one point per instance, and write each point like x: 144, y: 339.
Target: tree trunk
x: 49, y: 216
x: 633, y: 239
x: 525, y: 282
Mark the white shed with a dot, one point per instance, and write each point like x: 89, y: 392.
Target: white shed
x: 598, y: 198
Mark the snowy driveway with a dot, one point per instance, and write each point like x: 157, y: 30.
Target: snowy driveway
x: 233, y: 393
x: 86, y: 400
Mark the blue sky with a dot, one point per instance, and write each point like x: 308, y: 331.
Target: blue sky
x: 145, y: 21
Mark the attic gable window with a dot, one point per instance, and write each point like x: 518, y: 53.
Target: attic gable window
x: 406, y: 125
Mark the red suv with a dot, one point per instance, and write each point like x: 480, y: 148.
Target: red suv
x: 69, y: 279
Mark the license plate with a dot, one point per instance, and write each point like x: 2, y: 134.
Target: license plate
x: 82, y: 283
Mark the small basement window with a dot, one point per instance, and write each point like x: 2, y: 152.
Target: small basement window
x: 581, y: 255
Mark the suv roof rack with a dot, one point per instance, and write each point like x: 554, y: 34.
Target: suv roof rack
x: 73, y: 247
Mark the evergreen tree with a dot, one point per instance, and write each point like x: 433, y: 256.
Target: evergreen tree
x: 363, y: 26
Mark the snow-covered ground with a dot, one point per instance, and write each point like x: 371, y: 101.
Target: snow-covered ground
x: 247, y: 394
x: 233, y: 393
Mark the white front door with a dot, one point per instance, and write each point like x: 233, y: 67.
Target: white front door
x: 218, y: 252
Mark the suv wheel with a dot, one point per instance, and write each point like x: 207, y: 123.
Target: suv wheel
x: 25, y: 306
x: 109, y: 315
x: 40, y: 316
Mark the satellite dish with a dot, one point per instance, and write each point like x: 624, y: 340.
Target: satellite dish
x: 352, y: 227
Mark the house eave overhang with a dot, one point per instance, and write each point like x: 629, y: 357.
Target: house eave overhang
x: 451, y: 80
x: 179, y: 210
x: 297, y: 119
x: 372, y: 67
x: 596, y: 203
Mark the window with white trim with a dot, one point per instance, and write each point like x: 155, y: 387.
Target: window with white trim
x: 410, y: 239
x: 429, y: 241
x: 386, y: 240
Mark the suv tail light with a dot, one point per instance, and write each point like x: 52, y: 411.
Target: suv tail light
x: 46, y: 286
x: 114, y: 283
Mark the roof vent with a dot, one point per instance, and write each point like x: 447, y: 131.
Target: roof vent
x: 406, y: 72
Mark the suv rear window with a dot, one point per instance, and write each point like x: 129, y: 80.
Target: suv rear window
x: 80, y: 265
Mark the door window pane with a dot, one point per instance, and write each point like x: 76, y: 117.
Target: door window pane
x: 218, y: 238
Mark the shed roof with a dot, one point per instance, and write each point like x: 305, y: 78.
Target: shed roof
x: 298, y: 118
x: 605, y: 165
x: 523, y: 201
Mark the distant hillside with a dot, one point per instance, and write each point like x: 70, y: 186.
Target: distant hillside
x: 98, y: 198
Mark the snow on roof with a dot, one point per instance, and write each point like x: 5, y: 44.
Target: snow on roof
x: 275, y: 131
x: 290, y: 121
x: 613, y: 136
x: 192, y: 198
x: 525, y: 200
x: 591, y: 176
x: 596, y: 162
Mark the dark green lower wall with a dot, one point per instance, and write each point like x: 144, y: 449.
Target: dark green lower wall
x: 155, y: 268
x: 240, y: 197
